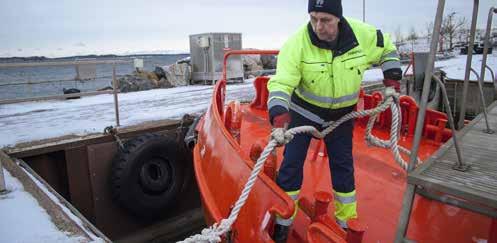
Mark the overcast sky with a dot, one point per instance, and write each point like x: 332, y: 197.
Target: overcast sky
x: 71, y: 27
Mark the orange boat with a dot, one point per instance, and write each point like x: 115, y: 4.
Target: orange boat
x: 232, y: 135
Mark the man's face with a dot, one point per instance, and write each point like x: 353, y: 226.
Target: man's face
x: 325, y: 25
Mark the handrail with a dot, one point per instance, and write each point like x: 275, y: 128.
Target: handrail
x: 486, y: 47
x: 493, y: 77
x: 461, y: 166
x: 409, y: 193
x: 53, y: 97
x: 483, y: 102
x: 64, y: 63
x: 244, y: 52
x: 468, y: 64
x: 53, y: 81
x: 114, y: 91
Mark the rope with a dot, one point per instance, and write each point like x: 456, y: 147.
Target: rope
x: 113, y: 131
x: 280, y: 136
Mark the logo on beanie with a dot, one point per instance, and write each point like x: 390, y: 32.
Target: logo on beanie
x: 319, y: 3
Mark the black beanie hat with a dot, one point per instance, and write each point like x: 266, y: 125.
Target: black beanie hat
x: 328, y: 6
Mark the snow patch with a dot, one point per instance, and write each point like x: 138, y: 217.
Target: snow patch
x: 24, y: 220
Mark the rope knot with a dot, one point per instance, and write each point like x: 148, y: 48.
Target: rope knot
x: 390, y: 92
x: 281, y: 136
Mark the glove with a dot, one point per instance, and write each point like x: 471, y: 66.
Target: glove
x: 392, y: 83
x: 279, y: 117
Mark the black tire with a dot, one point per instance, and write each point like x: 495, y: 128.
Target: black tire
x: 148, y: 175
x: 71, y: 91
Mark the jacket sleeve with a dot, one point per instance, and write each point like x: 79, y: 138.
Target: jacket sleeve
x: 384, y: 53
x: 288, y: 75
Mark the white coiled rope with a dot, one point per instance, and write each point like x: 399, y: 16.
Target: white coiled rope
x: 280, y: 136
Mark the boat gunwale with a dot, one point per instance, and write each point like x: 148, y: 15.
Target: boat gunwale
x: 213, y: 210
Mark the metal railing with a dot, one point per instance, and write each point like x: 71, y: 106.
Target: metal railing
x: 484, y: 65
x: 469, y: 59
x: 460, y: 165
x: 483, y: 102
x: 486, y: 46
x: 409, y: 193
x: 114, y: 91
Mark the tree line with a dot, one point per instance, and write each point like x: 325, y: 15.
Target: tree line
x: 454, y: 32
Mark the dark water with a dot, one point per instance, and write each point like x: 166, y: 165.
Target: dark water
x: 26, y: 82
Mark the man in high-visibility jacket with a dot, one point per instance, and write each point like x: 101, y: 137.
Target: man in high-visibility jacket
x: 318, y: 77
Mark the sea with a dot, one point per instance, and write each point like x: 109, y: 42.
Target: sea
x: 27, y: 82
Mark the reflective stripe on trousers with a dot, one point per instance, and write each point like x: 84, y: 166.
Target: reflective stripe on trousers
x: 287, y: 222
x: 345, y: 207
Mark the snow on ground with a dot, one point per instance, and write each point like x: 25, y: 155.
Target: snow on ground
x: 32, y: 121
x: 23, y: 220
x: 456, y: 67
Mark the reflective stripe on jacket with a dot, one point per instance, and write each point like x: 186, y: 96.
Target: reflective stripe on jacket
x: 329, y: 79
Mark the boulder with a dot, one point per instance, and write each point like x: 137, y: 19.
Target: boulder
x: 178, y: 74
x: 130, y: 83
x: 159, y: 72
x: 268, y: 62
x: 252, y: 63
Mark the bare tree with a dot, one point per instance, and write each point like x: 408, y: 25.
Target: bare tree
x: 450, y: 27
x: 399, y: 37
x: 463, y: 34
x: 429, y: 31
x: 412, y: 37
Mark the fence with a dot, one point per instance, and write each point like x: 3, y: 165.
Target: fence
x: 84, y: 71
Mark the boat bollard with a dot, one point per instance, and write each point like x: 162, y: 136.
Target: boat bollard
x: 318, y: 212
x: 270, y: 165
x: 323, y: 199
x: 355, y: 232
x: 355, y: 229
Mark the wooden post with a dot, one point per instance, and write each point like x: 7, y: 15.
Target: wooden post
x: 115, y: 89
x: 2, y: 179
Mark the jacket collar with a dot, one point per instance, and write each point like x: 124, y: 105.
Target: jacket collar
x: 346, y: 39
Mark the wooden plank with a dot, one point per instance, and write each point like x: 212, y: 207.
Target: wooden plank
x: 78, y: 177
x: 477, y: 185
x: 474, y: 181
x: 62, y: 221
x: 106, y: 212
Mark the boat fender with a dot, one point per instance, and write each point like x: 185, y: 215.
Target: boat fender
x: 148, y: 175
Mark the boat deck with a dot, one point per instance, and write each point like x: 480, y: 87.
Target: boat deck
x: 380, y: 184
x: 477, y: 187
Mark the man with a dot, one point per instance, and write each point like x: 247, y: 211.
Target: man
x: 318, y: 77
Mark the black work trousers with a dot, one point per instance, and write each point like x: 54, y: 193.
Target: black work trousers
x: 338, y: 146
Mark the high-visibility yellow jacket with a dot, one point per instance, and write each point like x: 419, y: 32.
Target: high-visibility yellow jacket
x: 325, y: 78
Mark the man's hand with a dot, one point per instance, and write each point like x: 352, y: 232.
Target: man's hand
x: 279, y: 117
x: 392, y: 83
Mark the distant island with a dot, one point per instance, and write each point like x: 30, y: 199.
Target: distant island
x: 108, y: 56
